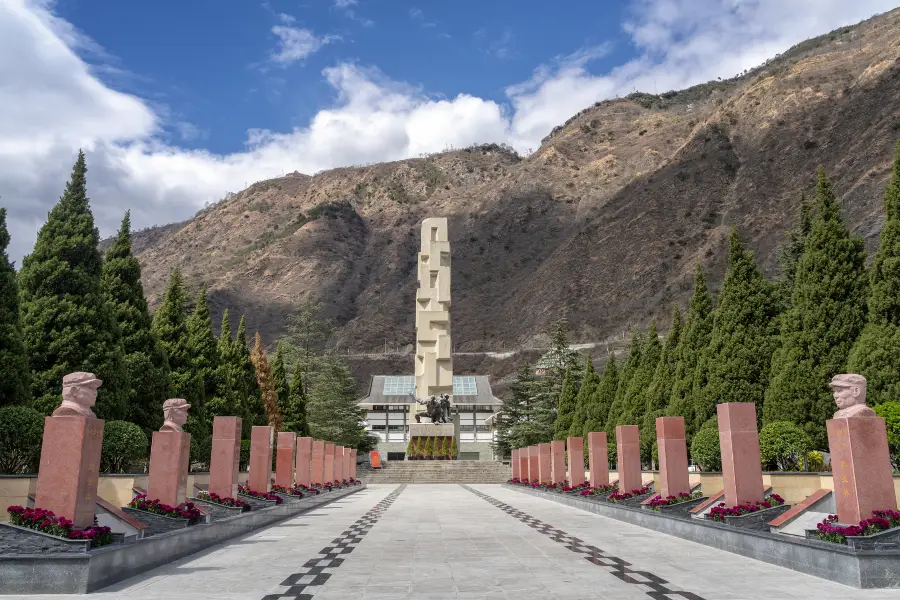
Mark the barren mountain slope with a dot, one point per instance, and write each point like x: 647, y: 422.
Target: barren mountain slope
x: 603, y: 223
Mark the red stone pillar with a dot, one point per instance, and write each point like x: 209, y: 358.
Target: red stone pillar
x: 861, y: 467
x: 170, y: 459
x: 338, y: 463
x: 598, y: 459
x: 284, y: 459
x: 739, y: 441
x: 260, y: 479
x: 304, y: 454
x: 557, y: 461
x: 317, y: 463
x: 514, y: 463
x: 628, y: 458
x: 70, y: 468
x: 523, y: 463
x: 673, y: 460
x: 575, y: 446
x: 346, y: 470
x: 533, y: 470
x: 328, y: 474
x: 226, y: 456
x: 353, y: 464
x: 544, y: 463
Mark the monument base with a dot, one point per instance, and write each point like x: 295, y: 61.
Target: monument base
x: 431, y: 430
x: 170, y: 457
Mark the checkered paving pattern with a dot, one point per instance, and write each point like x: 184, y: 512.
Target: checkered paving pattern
x: 304, y: 584
x: 653, y: 585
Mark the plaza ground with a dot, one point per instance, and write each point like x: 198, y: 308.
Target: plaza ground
x: 465, y: 542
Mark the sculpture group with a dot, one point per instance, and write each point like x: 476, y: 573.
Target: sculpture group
x: 436, y: 409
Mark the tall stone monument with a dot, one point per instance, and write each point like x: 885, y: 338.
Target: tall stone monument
x: 739, y: 441
x: 434, y: 358
x: 170, y: 455
x: 285, y: 453
x: 225, y: 457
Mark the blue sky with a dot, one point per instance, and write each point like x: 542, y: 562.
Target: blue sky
x: 177, y: 103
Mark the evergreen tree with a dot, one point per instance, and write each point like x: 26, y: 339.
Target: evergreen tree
x: 736, y: 362
x: 827, y: 314
x: 791, y: 253
x: 514, y: 430
x: 228, y: 401
x: 544, y: 390
x: 170, y: 328
x: 266, y: 383
x: 145, y: 360
x: 656, y: 396
x: 295, y: 417
x: 15, y: 377
x: 333, y: 409
x: 282, y: 387
x: 617, y: 407
x: 67, y: 324
x: 602, y: 398
x: 589, y: 382
x: 687, y: 353
x: 205, y: 351
x: 254, y: 412
x: 635, y: 397
x: 876, y: 353
x: 567, y: 405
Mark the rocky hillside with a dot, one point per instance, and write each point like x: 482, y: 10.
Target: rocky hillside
x: 603, y: 223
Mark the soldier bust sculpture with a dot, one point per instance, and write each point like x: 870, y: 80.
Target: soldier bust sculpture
x: 850, y: 396
x: 79, y: 395
x: 175, y: 414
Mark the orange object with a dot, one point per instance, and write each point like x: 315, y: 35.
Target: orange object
x: 375, y: 459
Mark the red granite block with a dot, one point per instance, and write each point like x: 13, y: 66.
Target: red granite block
x: 861, y: 467
x: 170, y: 460
x: 225, y: 457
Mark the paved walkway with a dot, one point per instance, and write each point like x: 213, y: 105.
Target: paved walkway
x: 475, y: 543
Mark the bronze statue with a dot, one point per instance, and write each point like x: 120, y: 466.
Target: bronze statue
x: 850, y: 396
x: 445, y: 408
x: 175, y: 414
x: 79, y: 395
x: 432, y: 409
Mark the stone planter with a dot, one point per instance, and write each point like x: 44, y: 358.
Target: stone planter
x: 156, y: 524
x: 889, y: 539
x: 217, y: 511
x: 758, y: 520
x: 634, y: 501
x: 256, y: 503
x: 15, y: 540
x: 290, y: 497
x: 680, y: 510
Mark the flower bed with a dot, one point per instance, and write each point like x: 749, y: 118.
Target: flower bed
x: 882, y: 520
x: 217, y: 499
x: 597, y: 491
x: 616, y: 497
x: 720, y: 512
x: 185, y: 510
x: 267, y: 496
x: 658, y: 502
x: 297, y: 491
x: 47, y: 522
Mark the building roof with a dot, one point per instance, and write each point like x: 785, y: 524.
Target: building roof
x: 395, y: 389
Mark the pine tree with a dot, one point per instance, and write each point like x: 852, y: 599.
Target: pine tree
x: 205, y: 351
x: 687, y: 353
x: 15, y: 377
x: 295, y: 417
x: 635, y: 397
x: 67, y: 324
x: 254, y: 411
x: 791, y: 253
x: 544, y: 390
x: 736, y: 362
x: 145, y: 360
x: 266, y: 383
x: 516, y: 409
x: 333, y: 409
x: 876, y: 353
x: 282, y: 387
x: 827, y: 314
x: 656, y: 396
x: 617, y: 408
x: 602, y: 398
x: 589, y: 382
x: 170, y: 328
x: 567, y: 405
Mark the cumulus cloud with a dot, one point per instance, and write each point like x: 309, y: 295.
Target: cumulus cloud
x: 296, y: 43
x: 53, y: 104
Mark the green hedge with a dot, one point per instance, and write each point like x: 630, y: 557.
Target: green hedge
x: 124, y: 444
x: 21, y: 433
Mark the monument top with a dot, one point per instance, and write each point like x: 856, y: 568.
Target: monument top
x: 850, y: 396
x: 79, y: 395
x: 434, y: 360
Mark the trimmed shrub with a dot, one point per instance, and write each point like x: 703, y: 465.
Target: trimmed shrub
x: 21, y: 434
x: 783, y: 445
x: 124, y: 444
x: 705, y: 449
x: 890, y: 412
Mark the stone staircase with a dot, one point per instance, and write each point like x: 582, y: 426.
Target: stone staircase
x: 436, y: 471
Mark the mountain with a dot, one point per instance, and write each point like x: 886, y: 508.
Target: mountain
x: 603, y: 223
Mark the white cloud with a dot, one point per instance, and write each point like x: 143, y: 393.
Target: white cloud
x: 53, y: 104
x: 345, y: 3
x: 295, y: 43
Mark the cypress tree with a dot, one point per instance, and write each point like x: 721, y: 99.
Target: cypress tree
x: 736, y: 362
x: 827, y: 314
x: 567, y: 405
x: 635, y: 398
x: 791, y: 253
x: 67, y: 324
x: 204, y: 346
x: 282, y: 387
x: 589, y: 382
x: 251, y: 396
x: 601, y: 400
x: 617, y: 407
x: 876, y: 353
x: 227, y: 401
x: 15, y: 377
x: 266, y: 383
x: 145, y: 360
x: 170, y: 328
x: 656, y: 396
x: 295, y: 418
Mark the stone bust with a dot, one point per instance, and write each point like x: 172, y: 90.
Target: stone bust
x: 79, y: 395
x: 850, y: 396
x: 175, y: 414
